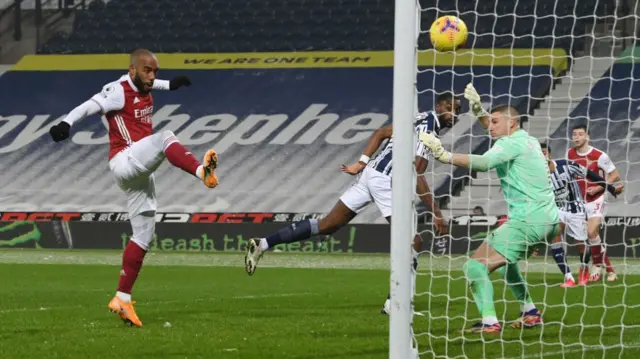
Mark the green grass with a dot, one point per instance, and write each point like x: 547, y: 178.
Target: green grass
x: 295, y: 306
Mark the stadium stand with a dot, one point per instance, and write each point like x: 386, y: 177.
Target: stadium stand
x: 300, y: 25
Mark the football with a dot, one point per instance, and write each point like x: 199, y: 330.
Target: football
x: 448, y: 33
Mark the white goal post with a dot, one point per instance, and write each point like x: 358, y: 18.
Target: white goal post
x: 561, y: 63
x: 403, y: 212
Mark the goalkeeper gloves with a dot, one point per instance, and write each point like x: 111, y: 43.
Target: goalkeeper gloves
x: 178, y: 82
x: 60, y: 132
x: 433, y: 143
x: 472, y: 96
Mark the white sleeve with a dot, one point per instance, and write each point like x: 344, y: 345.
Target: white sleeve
x: 161, y: 84
x: 604, y: 162
x: 111, y: 98
x: 87, y: 109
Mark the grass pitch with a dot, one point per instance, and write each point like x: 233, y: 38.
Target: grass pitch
x: 53, y: 304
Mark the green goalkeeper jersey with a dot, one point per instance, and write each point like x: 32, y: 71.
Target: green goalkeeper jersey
x: 524, y: 178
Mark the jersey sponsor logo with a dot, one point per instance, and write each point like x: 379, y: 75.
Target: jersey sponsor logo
x: 143, y: 115
x: 224, y: 130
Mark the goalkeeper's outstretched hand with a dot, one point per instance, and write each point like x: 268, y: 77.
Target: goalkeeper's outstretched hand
x: 433, y: 143
x: 472, y: 96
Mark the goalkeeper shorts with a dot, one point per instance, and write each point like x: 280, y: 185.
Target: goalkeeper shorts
x: 516, y: 240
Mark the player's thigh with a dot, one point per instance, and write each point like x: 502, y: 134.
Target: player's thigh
x: 576, y: 226
x: 356, y: 197
x: 148, y: 153
x: 338, y: 217
x: 143, y: 226
x: 141, y: 196
x: 489, y: 256
x: 515, y: 241
x: 559, y: 236
x: 595, y: 209
x: 380, y: 188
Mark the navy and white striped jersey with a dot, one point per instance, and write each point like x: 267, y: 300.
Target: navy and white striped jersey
x: 566, y: 188
x: 424, y: 122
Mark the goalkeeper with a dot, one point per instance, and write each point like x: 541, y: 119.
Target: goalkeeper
x: 533, y: 215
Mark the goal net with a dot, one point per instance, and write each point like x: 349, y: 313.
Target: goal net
x: 560, y: 63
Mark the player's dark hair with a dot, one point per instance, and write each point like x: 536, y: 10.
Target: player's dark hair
x: 446, y: 96
x: 581, y: 126
x: 544, y: 145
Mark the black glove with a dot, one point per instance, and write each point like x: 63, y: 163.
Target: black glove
x: 178, y: 82
x: 60, y: 131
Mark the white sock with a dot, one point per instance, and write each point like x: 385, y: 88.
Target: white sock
x: 200, y: 172
x: 125, y: 297
x: 527, y: 307
x: 569, y: 276
x: 490, y: 320
x: 263, y: 244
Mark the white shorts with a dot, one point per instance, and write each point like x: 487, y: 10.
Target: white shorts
x: 596, y: 208
x: 370, y: 185
x: 575, y: 225
x: 133, y: 170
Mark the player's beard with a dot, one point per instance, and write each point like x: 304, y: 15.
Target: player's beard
x: 447, y: 120
x: 137, y: 80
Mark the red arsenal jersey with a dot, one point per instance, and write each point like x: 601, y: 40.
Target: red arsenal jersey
x: 128, y: 113
x: 595, y: 160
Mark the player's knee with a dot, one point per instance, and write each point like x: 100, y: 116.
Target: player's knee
x: 472, y: 269
x: 166, y: 134
x: 143, y: 226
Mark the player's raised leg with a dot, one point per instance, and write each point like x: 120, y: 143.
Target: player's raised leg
x: 339, y: 216
x: 152, y: 150
x: 352, y: 201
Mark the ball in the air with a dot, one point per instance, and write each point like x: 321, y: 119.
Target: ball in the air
x: 448, y: 33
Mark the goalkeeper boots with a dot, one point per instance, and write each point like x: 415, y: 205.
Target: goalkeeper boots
x: 209, y: 164
x: 484, y: 328
x: 125, y: 311
x: 254, y: 253
x: 529, y: 319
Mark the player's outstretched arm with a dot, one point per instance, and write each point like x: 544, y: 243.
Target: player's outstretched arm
x: 578, y: 171
x: 374, y: 142
x: 172, y: 84
x: 594, y: 177
x: 111, y: 98
x: 472, y: 96
x: 497, y: 155
x: 61, y: 131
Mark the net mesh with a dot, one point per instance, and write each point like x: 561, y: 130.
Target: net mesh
x: 560, y: 63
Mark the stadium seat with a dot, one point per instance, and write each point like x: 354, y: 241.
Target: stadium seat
x: 254, y: 25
